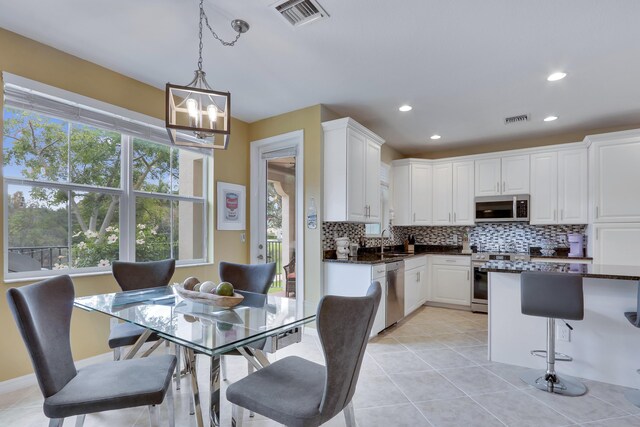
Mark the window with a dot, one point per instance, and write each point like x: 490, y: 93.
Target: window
x: 79, y: 196
x: 376, y: 228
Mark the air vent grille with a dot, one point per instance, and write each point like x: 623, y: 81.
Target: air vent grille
x: 300, y: 12
x: 516, y: 119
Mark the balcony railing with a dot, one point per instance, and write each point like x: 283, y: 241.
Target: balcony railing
x: 274, y: 254
x: 46, y: 256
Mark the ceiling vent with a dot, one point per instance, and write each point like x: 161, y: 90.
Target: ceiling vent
x: 300, y: 12
x: 516, y: 119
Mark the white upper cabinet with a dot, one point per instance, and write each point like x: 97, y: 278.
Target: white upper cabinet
x: 573, y: 187
x: 442, y: 194
x: 544, y: 188
x: 488, y: 177
x: 372, y: 181
x: 559, y: 190
x: 615, y: 176
x: 515, y: 175
x: 616, y: 244
x: 412, y: 193
x: 463, y: 203
x: 506, y: 175
x: 351, y: 172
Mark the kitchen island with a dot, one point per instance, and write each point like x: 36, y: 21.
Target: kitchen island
x: 604, y: 346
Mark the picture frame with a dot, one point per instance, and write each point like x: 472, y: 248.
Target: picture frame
x: 231, y: 206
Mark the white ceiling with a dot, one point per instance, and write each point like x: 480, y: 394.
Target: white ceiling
x: 462, y: 64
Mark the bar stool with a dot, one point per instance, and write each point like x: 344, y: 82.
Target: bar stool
x: 633, y: 317
x: 554, y: 296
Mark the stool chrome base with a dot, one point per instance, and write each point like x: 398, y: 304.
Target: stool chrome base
x: 565, y: 386
x: 633, y: 396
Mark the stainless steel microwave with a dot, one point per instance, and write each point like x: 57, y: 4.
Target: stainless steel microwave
x: 502, y: 208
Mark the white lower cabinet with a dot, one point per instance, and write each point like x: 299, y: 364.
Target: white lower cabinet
x: 415, y: 283
x: 451, y: 280
x: 353, y: 280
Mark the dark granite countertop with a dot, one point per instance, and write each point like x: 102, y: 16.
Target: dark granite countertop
x: 372, y: 255
x: 597, y: 271
x: 552, y: 257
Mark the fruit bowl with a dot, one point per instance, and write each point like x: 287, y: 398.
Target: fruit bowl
x: 208, y: 298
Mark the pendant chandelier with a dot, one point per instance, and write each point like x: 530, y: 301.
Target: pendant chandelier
x: 196, y: 110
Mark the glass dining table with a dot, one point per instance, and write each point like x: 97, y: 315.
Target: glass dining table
x: 259, y: 324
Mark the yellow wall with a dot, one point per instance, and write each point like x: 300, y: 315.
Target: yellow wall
x: 309, y: 120
x: 39, y: 62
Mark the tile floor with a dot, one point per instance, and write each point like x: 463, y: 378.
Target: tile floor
x: 430, y: 370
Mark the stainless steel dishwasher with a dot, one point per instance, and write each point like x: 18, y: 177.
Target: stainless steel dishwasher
x: 395, y: 293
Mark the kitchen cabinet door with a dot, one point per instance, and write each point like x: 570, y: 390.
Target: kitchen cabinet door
x: 616, y: 176
x: 515, y: 175
x: 424, y: 285
x: 451, y: 285
x: 573, y: 187
x: 412, y: 282
x: 544, y: 188
x: 442, y: 194
x: 402, y: 195
x: 616, y: 244
x: 463, y: 189
x: 421, y: 194
x: 356, y: 196
x: 372, y: 182
x: 487, y: 177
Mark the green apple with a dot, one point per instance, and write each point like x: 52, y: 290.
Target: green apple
x: 224, y: 289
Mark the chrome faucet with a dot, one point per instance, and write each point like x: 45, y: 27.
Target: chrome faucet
x: 382, y: 240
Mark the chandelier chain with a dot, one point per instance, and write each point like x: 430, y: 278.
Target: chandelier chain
x: 205, y: 18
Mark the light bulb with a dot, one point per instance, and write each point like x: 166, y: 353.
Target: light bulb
x: 192, y: 107
x: 212, y: 110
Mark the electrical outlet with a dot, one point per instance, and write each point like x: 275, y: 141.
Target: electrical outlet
x: 563, y: 332
x: 243, y: 237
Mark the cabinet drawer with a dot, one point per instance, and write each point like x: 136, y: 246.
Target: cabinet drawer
x: 463, y: 261
x: 415, y: 262
x: 378, y: 271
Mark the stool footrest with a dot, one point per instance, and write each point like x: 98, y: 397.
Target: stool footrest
x: 560, y: 357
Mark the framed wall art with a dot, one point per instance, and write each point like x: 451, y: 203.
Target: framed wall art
x: 231, y: 200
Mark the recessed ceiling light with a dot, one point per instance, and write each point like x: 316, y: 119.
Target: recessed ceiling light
x: 550, y: 118
x: 435, y: 137
x: 556, y: 76
x: 405, y: 108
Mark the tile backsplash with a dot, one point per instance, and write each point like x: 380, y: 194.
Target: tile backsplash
x: 487, y: 237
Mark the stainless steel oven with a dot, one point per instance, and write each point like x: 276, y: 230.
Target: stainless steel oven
x: 480, y: 282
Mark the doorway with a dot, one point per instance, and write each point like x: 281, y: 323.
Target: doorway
x: 277, y: 215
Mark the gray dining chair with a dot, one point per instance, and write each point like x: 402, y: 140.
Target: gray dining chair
x: 132, y: 276
x: 256, y: 278
x: 299, y: 393
x: 42, y: 312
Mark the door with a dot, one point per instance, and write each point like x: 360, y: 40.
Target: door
x: 421, y: 188
x: 277, y: 214
x: 616, y: 244
x: 356, y: 161
x: 372, y: 182
x: 573, y: 187
x: 487, y: 182
x: 617, y: 174
x: 515, y: 175
x: 451, y: 285
x: 463, y: 206
x: 442, y: 194
x: 544, y: 188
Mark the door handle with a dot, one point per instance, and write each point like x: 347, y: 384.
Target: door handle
x: 260, y: 256
x: 418, y: 278
x: 504, y: 186
x: 497, y: 187
x: 554, y: 214
x: 468, y: 275
x: 597, y: 212
x: 561, y: 214
x: 449, y: 216
x: 414, y: 217
x: 454, y: 217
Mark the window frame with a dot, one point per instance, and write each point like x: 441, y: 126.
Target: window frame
x: 127, y: 205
